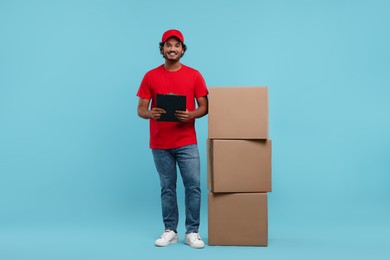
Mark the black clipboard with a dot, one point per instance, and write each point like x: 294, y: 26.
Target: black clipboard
x: 170, y: 103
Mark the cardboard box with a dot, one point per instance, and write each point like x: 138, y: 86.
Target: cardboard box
x: 237, y: 219
x: 238, y: 113
x: 239, y: 165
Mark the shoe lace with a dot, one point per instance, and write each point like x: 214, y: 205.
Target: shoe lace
x: 166, y: 232
x: 194, y: 236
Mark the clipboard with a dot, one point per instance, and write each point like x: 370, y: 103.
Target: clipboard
x: 170, y: 103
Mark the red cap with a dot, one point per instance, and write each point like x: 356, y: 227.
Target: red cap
x: 172, y: 33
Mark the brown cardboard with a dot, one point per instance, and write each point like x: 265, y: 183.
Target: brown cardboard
x: 237, y: 219
x: 239, y: 165
x: 210, y: 160
x: 238, y: 113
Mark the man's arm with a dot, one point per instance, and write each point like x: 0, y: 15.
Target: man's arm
x: 144, y: 112
x: 203, y: 108
x: 143, y: 108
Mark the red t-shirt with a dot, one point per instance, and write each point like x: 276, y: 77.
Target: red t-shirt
x: 185, y: 81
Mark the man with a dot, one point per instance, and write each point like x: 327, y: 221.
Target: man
x: 175, y: 143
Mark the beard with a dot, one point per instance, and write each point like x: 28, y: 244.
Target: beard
x: 176, y: 57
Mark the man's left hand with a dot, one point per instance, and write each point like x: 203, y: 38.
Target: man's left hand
x: 183, y: 116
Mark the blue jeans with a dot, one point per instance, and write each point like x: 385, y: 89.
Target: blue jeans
x: 187, y: 158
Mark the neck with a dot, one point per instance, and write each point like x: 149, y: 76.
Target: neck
x: 172, y: 65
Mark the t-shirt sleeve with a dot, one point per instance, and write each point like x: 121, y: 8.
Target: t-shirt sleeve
x: 144, y: 89
x: 200, y: 86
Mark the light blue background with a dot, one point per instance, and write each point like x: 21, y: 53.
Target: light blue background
x: 77, y: 180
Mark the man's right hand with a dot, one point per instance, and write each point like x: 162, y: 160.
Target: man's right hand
x: 156, y: 113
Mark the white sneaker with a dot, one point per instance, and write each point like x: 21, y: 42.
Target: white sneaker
x: 194, y: 240
x: 168, y: 237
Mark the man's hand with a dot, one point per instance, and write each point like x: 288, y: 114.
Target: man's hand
x: 156, y: 113
x: 183, y: 116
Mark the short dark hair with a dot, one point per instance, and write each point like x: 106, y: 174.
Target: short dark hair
x: 182, y: 44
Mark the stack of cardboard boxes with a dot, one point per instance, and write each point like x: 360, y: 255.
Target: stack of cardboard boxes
x: 239, y: 166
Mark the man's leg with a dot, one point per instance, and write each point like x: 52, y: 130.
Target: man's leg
x: 189, y: 164
x: 166, y: 167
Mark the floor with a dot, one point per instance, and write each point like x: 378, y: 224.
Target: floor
x: 363, y: 237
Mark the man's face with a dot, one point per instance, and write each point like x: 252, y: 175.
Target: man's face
x: 172, y: 49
